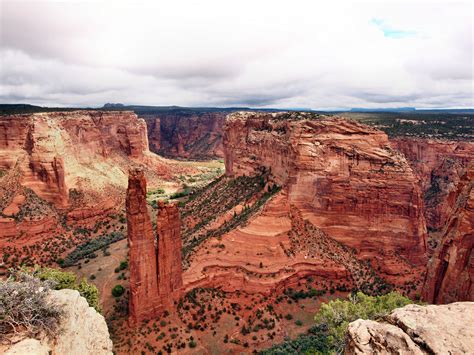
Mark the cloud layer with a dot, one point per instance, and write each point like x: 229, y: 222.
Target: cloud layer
x: 313, y: 54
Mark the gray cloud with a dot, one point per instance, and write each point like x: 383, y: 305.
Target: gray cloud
x: 250, y: 54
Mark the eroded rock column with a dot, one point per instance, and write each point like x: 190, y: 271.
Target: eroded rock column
x: 144, y: 300
x: 168, y: 227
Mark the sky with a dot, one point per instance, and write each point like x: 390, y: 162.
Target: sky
x: 259, y: 53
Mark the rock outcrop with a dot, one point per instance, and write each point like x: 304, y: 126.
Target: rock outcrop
x: 155, y: 267
x: 59, y: 151
x: 82, y: 330
x: 439, y: 165
x: 144, y: 297
x: 343, y: 177
x: 192, y: 135
x: 416, y: 329
x: 450, y: 274
x: 168, y: 228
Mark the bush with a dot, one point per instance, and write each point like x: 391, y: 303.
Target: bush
x: 62, y: 279
x: 87, y: 249
x: 25, y: 308
x: 298, y: 323
x: 192, y: 344
x: 327, y: 336
x: 118, y: 291
x: 337, y: 314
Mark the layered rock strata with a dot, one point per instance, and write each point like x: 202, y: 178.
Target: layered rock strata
x: 186, y: 135
x: 451, y: 269
x: 415, y: 329
x: 155, y: 267
x: 343, y: 177
x: 440, y: 165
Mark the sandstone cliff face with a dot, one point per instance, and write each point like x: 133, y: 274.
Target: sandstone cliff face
x: 440, y: 165
x: 155, y: 268
x: 83, y: 330
x: 62, y: 150
x: 342, y: 176
x: 416, y: 329
x: 186, y: 135
x: 451, y: 269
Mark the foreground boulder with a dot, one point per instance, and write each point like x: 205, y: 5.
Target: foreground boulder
x: 83, y: 330
x: 414, y: 329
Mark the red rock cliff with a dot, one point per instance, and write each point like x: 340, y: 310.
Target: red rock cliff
x: 342, y: 176
x: 440, y: 165
x: 450, y: 275
x: 61, y: 150
x: 155, y: 268
x: 186, y: 135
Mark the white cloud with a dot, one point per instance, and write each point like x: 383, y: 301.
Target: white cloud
x: 257, y: 53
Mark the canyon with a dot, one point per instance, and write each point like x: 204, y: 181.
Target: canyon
x: 310, y: 206
x: 63, y: 172
x: 189, y: 135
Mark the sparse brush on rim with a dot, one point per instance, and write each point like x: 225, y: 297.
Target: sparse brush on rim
x: 26, y: 309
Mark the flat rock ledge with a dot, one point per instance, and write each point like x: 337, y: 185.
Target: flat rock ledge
x: 414, y: 329
x: 83, y: 330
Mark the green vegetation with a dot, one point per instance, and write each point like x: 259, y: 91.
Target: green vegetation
x: 219, y: 197
x: 332, y: 320
x: 62, y: 279
x: 457, y: 126
x: 87, y: 249
x: 118, y: 291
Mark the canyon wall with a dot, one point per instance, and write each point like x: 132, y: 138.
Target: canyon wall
x: 342, y: 176
x: 196, y: 135
x: 155, y: 267
x: 61, y: 150
x: 451, y: 269
x: 440, y: 165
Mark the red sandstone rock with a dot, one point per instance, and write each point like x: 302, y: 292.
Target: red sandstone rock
x: 186, y: 135
x: 168, y: 229
x: 155, y: 270
x: 144, y: 300
x: 439, y: 165
x: 58, y: 150
x: 343, y: 177
x: 451, y: 269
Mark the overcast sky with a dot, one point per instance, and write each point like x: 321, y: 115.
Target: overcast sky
x: 294, y: 53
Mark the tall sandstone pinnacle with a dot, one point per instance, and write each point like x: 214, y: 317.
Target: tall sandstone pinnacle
x: 155, y: 268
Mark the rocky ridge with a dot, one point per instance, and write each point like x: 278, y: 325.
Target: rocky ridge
x: 414, y: 329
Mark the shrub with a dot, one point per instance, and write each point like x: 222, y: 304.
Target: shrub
x: 298, y: 323
x: 63, y: 279
x: 288, y: 317
x: 337, y: 314
x: 118, y: 291
x: 25, y: 308
x: 192, y: 344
